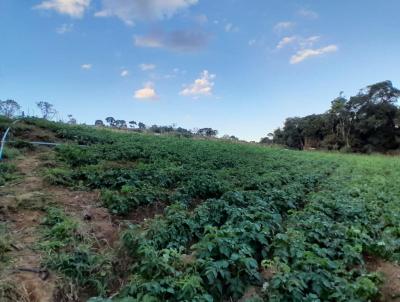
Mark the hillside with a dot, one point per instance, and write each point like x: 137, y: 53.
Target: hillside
x: 115, y: 216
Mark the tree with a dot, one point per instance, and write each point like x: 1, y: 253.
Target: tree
x: 340, y: 121
x: 132, y: 124
x: 111, y: 121
x: 293, y: 133
x: 368, y: 121
x: 141, y: 126
x: 183, y: 132
x: 209, y: 132
x: 47, y: 109
x: 268, y: 140
x: 374, y: 112
x: 9, y: 108
x: 99, y: 123
x: 120, y: 124
x: 230, y: 137
x: 72, y: 120
x: 313, y: 129
x: 279, y: 137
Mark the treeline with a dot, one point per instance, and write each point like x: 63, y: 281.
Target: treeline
x: 170, y: 129
x: 366, y: 122
x: 11, y: 109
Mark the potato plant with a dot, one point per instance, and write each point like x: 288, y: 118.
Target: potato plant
x: 293, y: 226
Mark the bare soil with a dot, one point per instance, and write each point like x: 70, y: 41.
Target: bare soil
x: 21, y: 207
x: 141, y: 214
x: 390, y: 289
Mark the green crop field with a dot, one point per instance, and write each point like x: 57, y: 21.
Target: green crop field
x: 238, y: 221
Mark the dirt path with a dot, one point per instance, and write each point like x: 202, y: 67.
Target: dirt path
x: 23, y: 224
x: 21, y: 207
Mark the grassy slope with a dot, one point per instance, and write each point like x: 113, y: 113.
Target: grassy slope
x: 298, y: 226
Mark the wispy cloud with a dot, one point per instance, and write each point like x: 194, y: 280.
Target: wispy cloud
x: 86, y: 66
x: 152, y: 41
x: 286, y: 41
x: 297, y: 41
x: 304, y: 47
x: 252, y: 42
x: 65, y: 28
x: 147, y: 67
x: 73, y: 8
x: 180, y: 40
x: 304, y: 54
x: 124, y: 73
x: 201, y: 86
x: 230, y: 27
x: 131, y: 11
x: 148, y: 92
x: 284, y: 25
x: 309, y: 42
x: 308, y: 13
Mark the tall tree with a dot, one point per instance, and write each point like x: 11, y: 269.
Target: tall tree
x: 120, y: 124
x: 71, y: 120
x: 47, y: 109
x: 132, y: 124
x: 99, y: 123
x: 368, y: 121
x: 111, y: 121
x: 9, y: 108
x: 375, y: 113
x: 207, y: 132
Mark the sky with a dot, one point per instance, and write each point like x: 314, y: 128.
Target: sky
x: 239, y: 66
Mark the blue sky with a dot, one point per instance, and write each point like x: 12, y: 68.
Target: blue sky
x: 238, y: 66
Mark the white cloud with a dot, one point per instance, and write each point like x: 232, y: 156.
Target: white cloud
x: 124, y: 73
x: 252, y: 42
x: 86, y: 66
x: 179, y: 40
x: 304, y: 47
x: 308, y: 42
x: 65, y: 28
x: 147, y: 67
x: 146, y: 93
x: 286, y: 41
x: 285, y: 25
x: 297, y: 41
x: 308, y: 13
x: 130, y: 11
x: 179, y: 71
x: 201, y: 86
x: 230, y: 27
x: 148, y: 41
x: 73, y: 8
x: 304, y: 54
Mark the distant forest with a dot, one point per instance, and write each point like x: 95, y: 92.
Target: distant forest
x: 366, y: 122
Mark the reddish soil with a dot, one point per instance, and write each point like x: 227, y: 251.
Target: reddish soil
x: 390, y: 289
x: 21, y: 207
x: 141, y: 214
x: 23, y: 225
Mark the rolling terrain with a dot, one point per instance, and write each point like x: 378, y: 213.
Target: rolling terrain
x: 123, y: 216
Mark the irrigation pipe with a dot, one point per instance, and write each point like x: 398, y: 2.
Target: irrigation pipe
x: 3, y: 142
x: 3, y: 139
